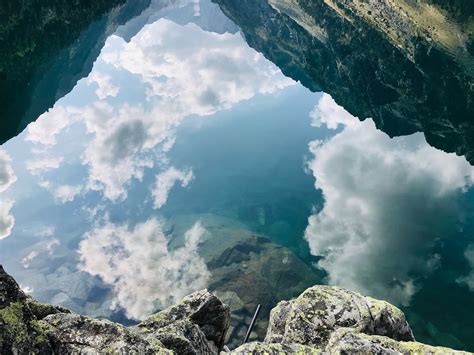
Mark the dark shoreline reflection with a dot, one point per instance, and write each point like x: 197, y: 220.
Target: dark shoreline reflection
x: 46, y: 48
x: 374, y: 62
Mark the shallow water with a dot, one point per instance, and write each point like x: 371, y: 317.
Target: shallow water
x: 157, y: 174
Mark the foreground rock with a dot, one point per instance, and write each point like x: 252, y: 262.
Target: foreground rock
x: 197, y: 325
x: 328, y: 319
x: 322, y: 319
x: 313, y: 317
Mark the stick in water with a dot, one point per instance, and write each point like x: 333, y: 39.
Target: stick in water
x: 252, y: 324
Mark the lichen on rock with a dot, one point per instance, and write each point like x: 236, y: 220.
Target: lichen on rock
x: 389, y: 320
x: 197, y: 325
x: 322, y: 320
x: 73, y: 333
x: 312, y: 317
x: 257, y: 348
x: 200, y: 315
x: 346, y: 340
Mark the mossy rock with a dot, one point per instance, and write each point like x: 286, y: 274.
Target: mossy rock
x: 311, y: 318
x: 21, y: 332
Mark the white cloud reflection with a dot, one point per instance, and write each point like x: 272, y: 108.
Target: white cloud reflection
x: 67, y: 193
x: 7, y: 178
x: 105, y: 88
x: 184, y: 71
x: 7, y: 221
x: 36, y: 167
x: 165, y: 181
x: 139, y: 259
x: 387, y: 203
x: 469, y: 279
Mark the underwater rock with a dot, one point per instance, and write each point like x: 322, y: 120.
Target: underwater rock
x: 254, y: 260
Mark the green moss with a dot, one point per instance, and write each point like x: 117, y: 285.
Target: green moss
x: 157, y: 316
x: 159, y: 349
x: 41, y: 310
x: 40, y: 330
x: 12, y: 317
x: 21, y: 330
x: 407, y: 347
x: 275, y: 348
x: 377, y: 306
x: 415, y: 348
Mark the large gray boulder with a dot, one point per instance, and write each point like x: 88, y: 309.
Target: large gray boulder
x: 347, y: 341
x: 311, y: 318
x: 259, y: 348
x: 196, y: 325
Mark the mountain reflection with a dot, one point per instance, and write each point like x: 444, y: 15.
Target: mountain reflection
x: 408, y: 66
x: 47, y: 48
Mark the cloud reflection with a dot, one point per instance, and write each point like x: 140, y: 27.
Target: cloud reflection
x: 387, y: 204
x: 7, y: 178
x: 183, y: 71
x: 139, y: 259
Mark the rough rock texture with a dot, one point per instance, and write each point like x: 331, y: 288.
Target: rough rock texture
x: 73, y: 334
x: 258, y: 348
x: 331, y: 320
x: 21, y: 332
x: 345, y: 341
x: 312, y: 318
x: 200, y: 321
x: 197, y: 325
x: 323, y: 319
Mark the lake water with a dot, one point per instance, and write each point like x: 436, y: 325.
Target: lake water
x: 186, y: 159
